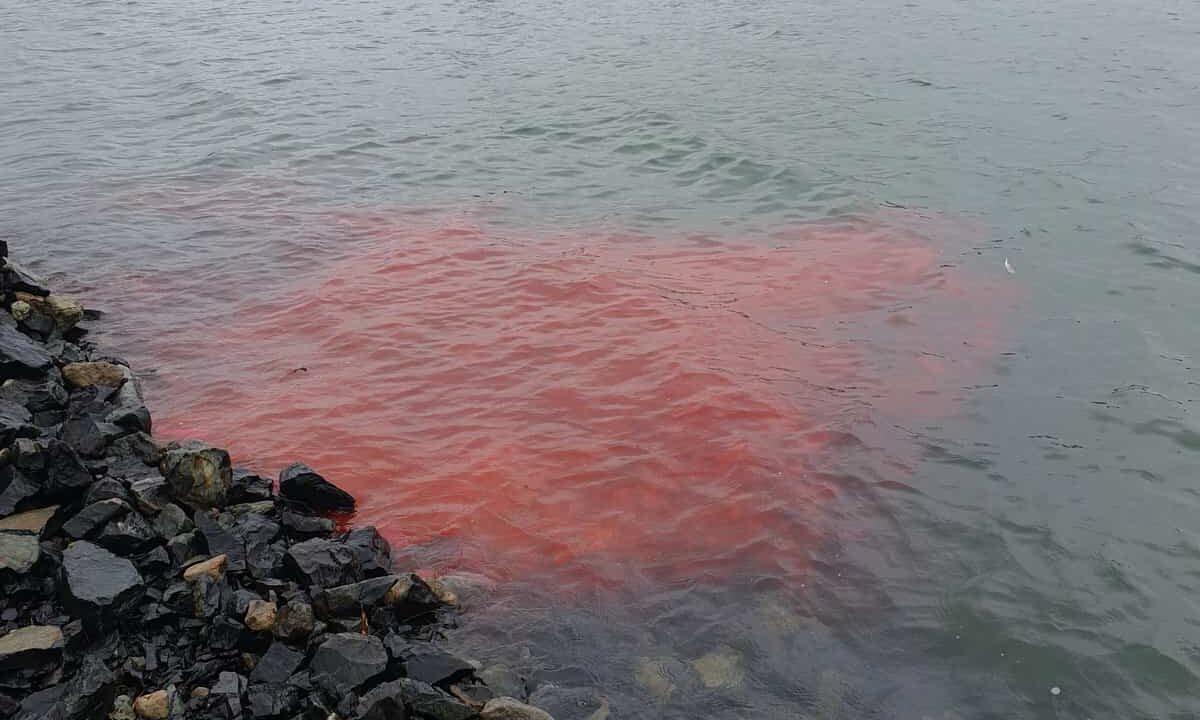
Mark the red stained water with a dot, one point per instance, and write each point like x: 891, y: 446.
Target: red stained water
x: 590, y: 408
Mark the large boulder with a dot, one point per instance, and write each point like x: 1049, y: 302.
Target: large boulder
x: 96, y: 581
x: 301, y: 484
x: 350, y: 659
x: 199, y: 474
x: 20, y: 356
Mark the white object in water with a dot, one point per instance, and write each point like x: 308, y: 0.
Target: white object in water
x: 1008, y: 267
x: 1056, y: 691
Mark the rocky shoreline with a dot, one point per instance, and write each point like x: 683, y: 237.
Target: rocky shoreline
x: 159, y: 582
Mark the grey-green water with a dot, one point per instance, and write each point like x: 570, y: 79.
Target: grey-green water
x: 1052, y: 535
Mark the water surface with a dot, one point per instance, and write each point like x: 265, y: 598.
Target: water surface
x: 557, y: 272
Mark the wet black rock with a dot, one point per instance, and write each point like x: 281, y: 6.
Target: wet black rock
x: 247, y: 487
x: 95, y: 580
x: 436, y: 667
x: 88, y: 436
x: 276, y: 665
x: 301, y: 484
x: 274, y: 701
x: 154, y: 562
x: 43, y: 394
x: 350, y: 659
x: 65, y: 472
x: 20, y: 356
x: 200, y: 475
x: 372, y: 553
x: 16, y: 278
x: 321, y: 563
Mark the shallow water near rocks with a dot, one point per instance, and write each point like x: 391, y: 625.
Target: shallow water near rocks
x: 611, y: 310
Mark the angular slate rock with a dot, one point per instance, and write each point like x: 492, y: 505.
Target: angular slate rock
x: 17, y: 491
x: 372, y: 553
x: 92, y: 518
x: 224, y: 634
x: 385, y: 702
x: 303, y: 526
x: 276, y: 665
x: 350, y: 659
x: 301, y: 484
x: 221, y: 541
x: 128, y: 534
x: 171, y: 521
x: 39, y: 395
x: 427, y: 701
x: 95, y: 580
x: 88, y: 435
x: 150, y: 494
x: 20, y: 356
x: 247, y: 486
x: 322, y: 563
x: 154, y: 562
x: 65, y: 472
x: 15, y: 422
x: 137, y: 446
x: 351, y: 600
x: 18, y: 279
x: 199, y: 474
x: 436, y: 667
x: 294, y: 621
x: 274, y: 701
x: 106, y: 489
x: 185, y: 546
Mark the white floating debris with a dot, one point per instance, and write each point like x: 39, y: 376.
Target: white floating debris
x: 1056, y: 691
x: 1008, y: 267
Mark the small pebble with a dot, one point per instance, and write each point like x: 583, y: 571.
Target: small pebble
x: 1056, y: 691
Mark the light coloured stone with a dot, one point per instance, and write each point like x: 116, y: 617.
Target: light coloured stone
x: 721, y: 668
x: 506, y: 708
x: 18, y: 551
x: 652, y: 674
x: 260, y: 615
x: 36, y: 638
x: 32, y: 521
x: 88, y: 374
x: 153, y: 706
x: 122, y: 709
x: 66, y: 311
x: 213, y: 567
x: 20, y: 310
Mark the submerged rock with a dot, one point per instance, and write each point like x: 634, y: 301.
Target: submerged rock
x: 95, y: 580
x: 301, y: 484
x: 199, y: 474
x: 506, y: 708
x: 721, y: 668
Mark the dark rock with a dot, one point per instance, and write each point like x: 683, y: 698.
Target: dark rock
x: 178, y: 597
x: 184, y: 547
x: 350, y: 600
x: 427, y: 701
x: 18, y: 279
x: 155, y: 562
x: 8, y: 706
x: 90, y: 520
x: 413, y: 600
x: 199, y: 475
x: 242, y: 599
x: 350, y: 659
x: 229, y: 684
x: 255, y: 531
x: 43, y: 704
x: 128, y: 534
x: 21, y: 357
x: 273, y: 701
x: 131, y: 418
x: 15, y: 422
x: 299, y: 525
x: 294, y: 621
x: 372, y: 552
x: 38, y: 395
x: 150, y: 494
x: 436, y: 667
x: 276, y: 665
x: 91, y: 690
x: 65, y: 472
x: 17, y: 491
x: 94, y: 580
x: 210, y: 596
x: 248, y: 487
x: 267, y: 561
x: 19, y: 552
x: 385, y: 702
x: 301, y: 484
x: 504, y: 681
x: 106, y: 489
x: 88, y: 436
x: 322, y: 563
x: 225, y: 634
x: 221, y: 542
x: 172, y: 521
x: 139, y: 446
